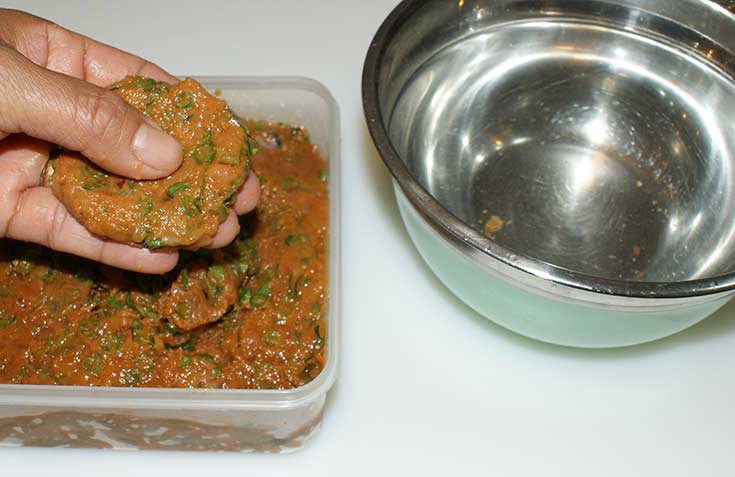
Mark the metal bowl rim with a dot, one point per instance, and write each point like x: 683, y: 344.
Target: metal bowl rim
x: 465, y: 236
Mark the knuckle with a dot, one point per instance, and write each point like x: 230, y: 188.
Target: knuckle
x: 102, y: 114
x: 10, y: 210
x: 12, y: 64
x: 8, y: 224
x: 8, y: 213
x: 57, y: 220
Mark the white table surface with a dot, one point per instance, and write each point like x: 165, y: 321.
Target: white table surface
x: 426, y: 386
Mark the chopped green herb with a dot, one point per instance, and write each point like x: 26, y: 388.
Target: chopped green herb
x: 252, y: 150
x: 91, y: 185
x: 185, y: 361
x: 249, y: 141
x: 184, y: 99
x: 233, y: 160
x: 170, y: 328
x: 142, y: 311
x: 190, y: 345
x: 295, y: 289
x: 44, y: 374
x: 216, y: 368
x: 218, y: 272
x: 297, y: 239
x: 111, y: 342
x: 153, y: 243
x: 306, y: 374
x: 245, y: 294
x: 95, y: 172
x: 289, y: 184
x: 23, y: 267
x: 130, y: 377
x: 88, y: 326
x: 140, y: 335
x: 6, y: 289
x: 94, y: 363
x: 272, y: 338
x: 113, y: 302
x: 186, y: 205
x: 229, y: 321
x: 318, y: 343
x: 6, y: 320
x: 150, y: 85
x: 261, y: 296
x: 146, y: 84
x: 184, y: 310
x: 242, y: 267
x: 146, y: 205
x: 204, y: 152
x: 176, y: 188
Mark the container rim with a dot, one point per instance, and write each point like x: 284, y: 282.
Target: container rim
x: 484, y: 249
x: 225, y: 399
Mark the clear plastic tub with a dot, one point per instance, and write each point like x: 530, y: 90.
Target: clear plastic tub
x: 201, y: 419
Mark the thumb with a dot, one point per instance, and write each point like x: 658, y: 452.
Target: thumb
x: 82, y: 117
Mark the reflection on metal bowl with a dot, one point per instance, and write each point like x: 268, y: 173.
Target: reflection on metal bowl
x: 577, y: 156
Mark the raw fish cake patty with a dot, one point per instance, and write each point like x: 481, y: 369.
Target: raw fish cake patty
x: 182, y: 210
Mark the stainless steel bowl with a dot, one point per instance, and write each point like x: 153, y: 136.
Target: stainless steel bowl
x: 580, y: 152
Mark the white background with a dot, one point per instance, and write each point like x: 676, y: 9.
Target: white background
x: 426, y: 386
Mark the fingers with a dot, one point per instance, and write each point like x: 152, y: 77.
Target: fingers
x: 72, y: 113
x: 21, y: 162
x: 248, y: 195
x: 39, y: 217
x: 53, y: 47
x: 82, y: 117
x: 245, y: 201
x: 226, y: 232
x: 31, y: 213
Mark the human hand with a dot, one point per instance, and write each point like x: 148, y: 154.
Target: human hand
x: 52, y: 92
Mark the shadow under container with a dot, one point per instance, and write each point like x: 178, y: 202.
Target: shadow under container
x: 202, y: 419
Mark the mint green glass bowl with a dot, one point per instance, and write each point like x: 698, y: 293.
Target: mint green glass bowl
x: 550, y: 317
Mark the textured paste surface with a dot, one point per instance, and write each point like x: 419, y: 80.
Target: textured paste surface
x: 182, y: 210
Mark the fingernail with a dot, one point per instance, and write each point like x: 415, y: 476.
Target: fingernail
x: 158, y: 153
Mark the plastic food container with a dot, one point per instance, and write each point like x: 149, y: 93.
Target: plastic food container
x: 201, y: 419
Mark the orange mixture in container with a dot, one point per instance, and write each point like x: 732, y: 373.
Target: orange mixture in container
x: 251, y: 315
